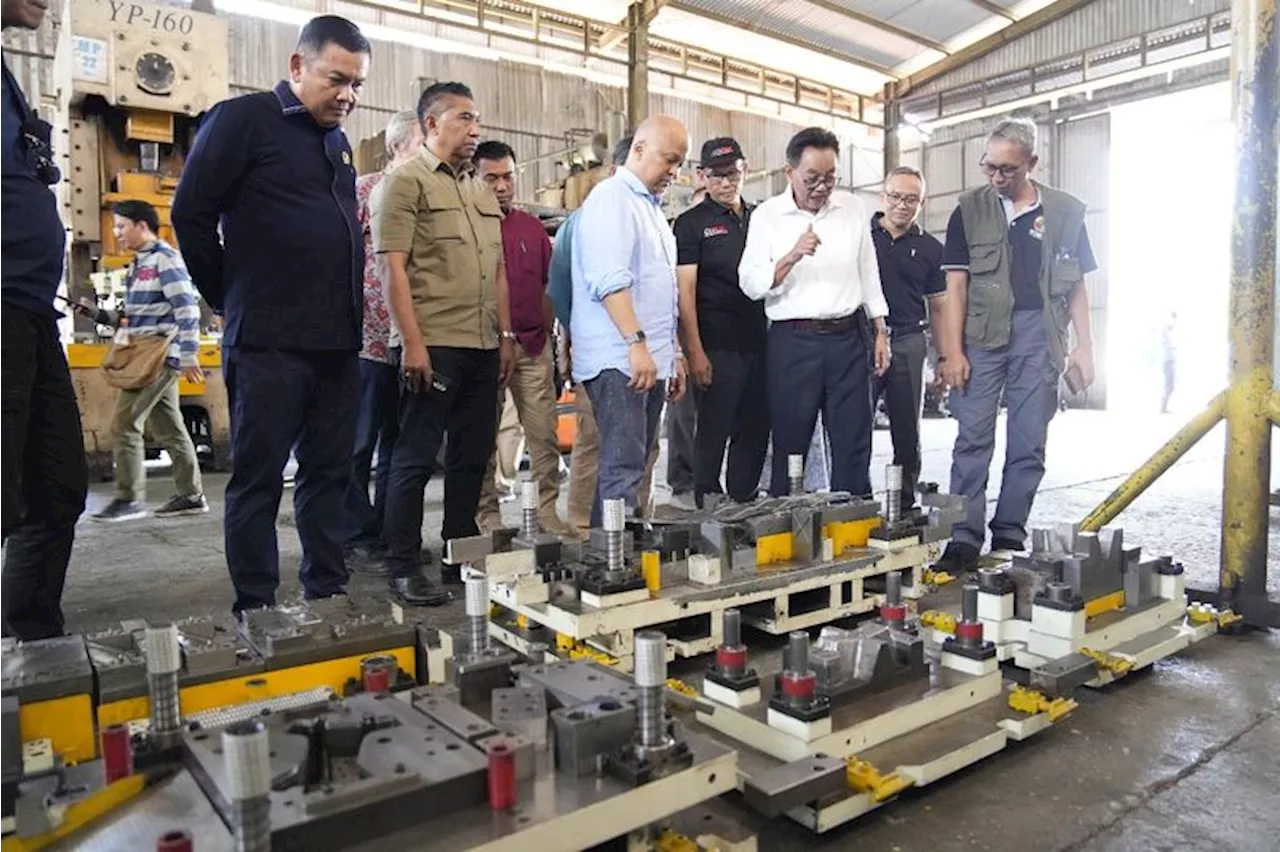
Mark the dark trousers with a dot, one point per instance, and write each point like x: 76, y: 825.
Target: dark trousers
x: 45, y: 474
x: 465, y: 411
x: 682, y: 426
x: 902, y: 387
x: 283, y: 400
x: 734, y: 408
x: 628, y: 422
x: 812, y: 371
x: 377, y: 425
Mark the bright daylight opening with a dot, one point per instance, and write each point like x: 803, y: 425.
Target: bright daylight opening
x: 1172, y: 183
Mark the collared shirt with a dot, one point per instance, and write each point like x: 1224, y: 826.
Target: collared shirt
x: 1026, y: 241
x: 287, y: 270
x: 712, y: 237
x: 836, y: 280
x: 910, y: 272
x: 34, y: 240
x: 377, y: 318
x: 527, y: 252
x: 622, y: 243
x: 159, y: 299
x: 560, y: 276
x: 450, y: 226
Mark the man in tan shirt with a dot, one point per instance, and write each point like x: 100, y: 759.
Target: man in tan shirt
x: 439, y: 230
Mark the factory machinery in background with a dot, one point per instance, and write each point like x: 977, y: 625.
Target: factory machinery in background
x: 338, y: 724
x: 134, y: 78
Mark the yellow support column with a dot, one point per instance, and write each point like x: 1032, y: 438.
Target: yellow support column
x: 1255, y: 61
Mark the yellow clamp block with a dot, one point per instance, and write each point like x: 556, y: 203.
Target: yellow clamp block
x: 1227, y: 617
x: 1118, y: 666
x: 779, y: 547
x: 937, y: 578
x: 673, y: 841
x: 565, y: 642
x: 1029, y: 701
x: 681, y: 687
x: 938, y: 620
x: 582, y: 651
x: 1204, y: 613
x: 865, y: 778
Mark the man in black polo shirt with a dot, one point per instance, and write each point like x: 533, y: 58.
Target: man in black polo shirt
x: 274, y: 168
x: 910, y: 273
x: 723, y: 330
x: 45, y: 477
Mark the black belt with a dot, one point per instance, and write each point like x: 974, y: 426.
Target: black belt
x: 838, y: 325
x: 908, y: 330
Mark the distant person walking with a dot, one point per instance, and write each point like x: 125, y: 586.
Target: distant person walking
x: 1170, y: 358
x: 159, y: 301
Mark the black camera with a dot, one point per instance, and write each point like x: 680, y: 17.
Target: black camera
x: 37, y: 135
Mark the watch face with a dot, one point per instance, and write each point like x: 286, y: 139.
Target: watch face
x: 155, y: 73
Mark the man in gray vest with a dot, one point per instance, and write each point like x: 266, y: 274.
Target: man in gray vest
x: 1016, y: 256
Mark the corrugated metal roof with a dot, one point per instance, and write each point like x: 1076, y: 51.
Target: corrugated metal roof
x: 892, y: 34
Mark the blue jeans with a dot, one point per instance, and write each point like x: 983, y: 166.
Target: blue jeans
x: 628, y: 422
x: 1024, y: 370
x: 282, y: 400
x: 376, y: 428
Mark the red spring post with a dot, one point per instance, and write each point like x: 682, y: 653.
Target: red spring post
x: 117, y: 753
x: 174, y: 841
x: 376, y: 672
x: 502, y: 777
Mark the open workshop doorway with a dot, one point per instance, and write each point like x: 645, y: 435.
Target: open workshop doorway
x: 1172, y: 176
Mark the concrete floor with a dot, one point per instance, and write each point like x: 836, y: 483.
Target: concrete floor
x: 1182, y: 757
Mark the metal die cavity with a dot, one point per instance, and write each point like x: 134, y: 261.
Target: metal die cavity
x: 585, y: 733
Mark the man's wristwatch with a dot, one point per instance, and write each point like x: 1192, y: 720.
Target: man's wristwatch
x: 508, y: 335
x: 633, y: 339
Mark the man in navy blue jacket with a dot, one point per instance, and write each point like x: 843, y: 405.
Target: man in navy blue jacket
x: 45, y: 477
x: 274, y: 170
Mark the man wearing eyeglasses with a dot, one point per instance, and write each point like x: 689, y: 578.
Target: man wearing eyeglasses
x: 1016, y: 256
x: 911, y: 273
x: 810, y: 259
x: 723, y: 330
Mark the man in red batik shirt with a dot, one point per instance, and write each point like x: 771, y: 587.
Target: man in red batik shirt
x: 376, y: 426
x: 527, y: 251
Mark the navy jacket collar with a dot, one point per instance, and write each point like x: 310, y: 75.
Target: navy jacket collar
x: 289, y: 103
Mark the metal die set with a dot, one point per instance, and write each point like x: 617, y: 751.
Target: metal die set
x: 785, y: 564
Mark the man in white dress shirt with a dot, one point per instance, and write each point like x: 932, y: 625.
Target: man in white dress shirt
x: 810, y: 257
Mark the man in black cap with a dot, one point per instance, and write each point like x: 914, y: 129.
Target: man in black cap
x: 723, y: 329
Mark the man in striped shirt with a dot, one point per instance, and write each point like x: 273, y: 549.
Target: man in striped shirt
x: 159, y: 300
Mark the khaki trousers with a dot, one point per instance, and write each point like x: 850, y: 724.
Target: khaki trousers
x: 532, y: 388
x: 152, y: 409
x: 583, y: 461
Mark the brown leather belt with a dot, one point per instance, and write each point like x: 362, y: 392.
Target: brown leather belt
x: 839, y: 325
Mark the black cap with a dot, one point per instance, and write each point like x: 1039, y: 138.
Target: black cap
x: 721, y: 151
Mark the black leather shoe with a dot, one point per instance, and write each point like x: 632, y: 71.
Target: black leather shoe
x: 957, y: 559
x: 417, y: 590
x: 366, y: 562
x: 1008, y: 544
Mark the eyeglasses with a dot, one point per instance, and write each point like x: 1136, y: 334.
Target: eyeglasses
x: 734, y: 176
x: 815, y: 181
x: 895, y: 199
x: 1006, y: 171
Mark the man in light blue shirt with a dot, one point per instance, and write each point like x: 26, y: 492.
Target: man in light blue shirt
x: 623, y: 320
